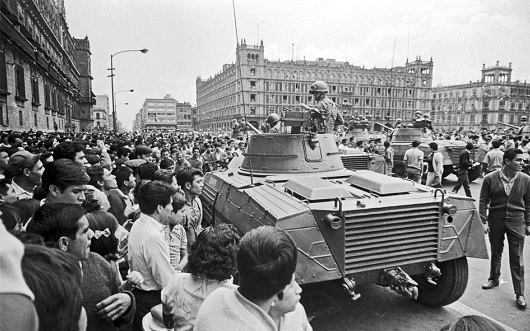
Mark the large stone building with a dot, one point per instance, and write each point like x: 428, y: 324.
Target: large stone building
x: 101, y: 113
x: 45, y: 80
x: 493, y: 99
x: 164, y: 114
x: 260, y: 87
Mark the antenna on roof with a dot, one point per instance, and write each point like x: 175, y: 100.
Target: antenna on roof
x: 238, y: 63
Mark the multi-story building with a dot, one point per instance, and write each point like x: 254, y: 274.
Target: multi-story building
x: 481, y: 104
x: 164, y: 114
x: 184, y: 116
x: 44, y: 71
x: 258, y: 87
x: 101, y: 113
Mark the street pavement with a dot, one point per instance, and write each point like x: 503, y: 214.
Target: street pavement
x: 380, y: 308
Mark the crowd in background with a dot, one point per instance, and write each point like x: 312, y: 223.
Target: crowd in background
x: 127, y: 244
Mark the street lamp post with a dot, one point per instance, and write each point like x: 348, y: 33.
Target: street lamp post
x: 114, y: 118
x: 112, y: 81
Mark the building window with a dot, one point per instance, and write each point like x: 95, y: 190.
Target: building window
x: 20, y: 118
x: 253, y: 84
x: 35, y: 119
x: 35, y: 97
x: 47, y: 96
x: 284, y: 99
x: 253, y: 98
x: 20, y: 87
x: 3, y: 73
x: 97, y: 117
x: 252, y: 110
x: 3, y: 114
x: 484, y: 118
x: 501, y: 117
x: 47, y: 122
x: 252, y: 71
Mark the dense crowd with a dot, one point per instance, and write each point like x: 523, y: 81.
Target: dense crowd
x: 115, y: 238
x: 106, y: 232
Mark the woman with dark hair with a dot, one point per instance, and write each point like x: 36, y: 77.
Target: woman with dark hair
x: 212, y: 262
x: 105, y: 242
x: 268, y: 295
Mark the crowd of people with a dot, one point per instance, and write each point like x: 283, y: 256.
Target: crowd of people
x: 104, y: 232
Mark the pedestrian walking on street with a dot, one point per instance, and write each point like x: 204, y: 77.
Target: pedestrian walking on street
x: 494, y: 158
x: 464, y: 164
x: 389, y: 156
x: 435, y: 167
x: 413, y: 162
x: 505, y: 194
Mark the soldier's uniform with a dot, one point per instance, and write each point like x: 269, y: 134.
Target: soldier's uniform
x: 331, y: 116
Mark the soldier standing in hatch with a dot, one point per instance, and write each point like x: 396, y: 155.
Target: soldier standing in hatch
x: 330, y: 117
x: 273, y: 121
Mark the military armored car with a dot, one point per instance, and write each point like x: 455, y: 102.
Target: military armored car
x: 351, y: 227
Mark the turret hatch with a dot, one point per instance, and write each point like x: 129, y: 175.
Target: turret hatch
x: 379, y: 183
x: 316, y: 188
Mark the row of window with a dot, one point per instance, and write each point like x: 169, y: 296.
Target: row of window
x: 53, y: 99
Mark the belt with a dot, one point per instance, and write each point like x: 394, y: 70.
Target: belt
x: 414, y: 168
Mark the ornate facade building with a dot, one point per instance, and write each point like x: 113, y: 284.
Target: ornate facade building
x: 164, y: 114
x: 45, y: 80
x: 259, y: 87
x: 482, y: 104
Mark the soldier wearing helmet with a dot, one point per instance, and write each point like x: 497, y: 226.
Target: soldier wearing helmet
x: 272, y: 122
x: 524, y: 131
x: 330, y: 117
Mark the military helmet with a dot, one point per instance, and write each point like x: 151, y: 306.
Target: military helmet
x: 318, y: 86
x: 272, y: 118
x: 399, y: 120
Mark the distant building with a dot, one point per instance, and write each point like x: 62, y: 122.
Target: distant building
x: 45, y: 79
x: 164, y: 114
x: 263, y: 87
x: 101, y: 113
x: 482, y: 104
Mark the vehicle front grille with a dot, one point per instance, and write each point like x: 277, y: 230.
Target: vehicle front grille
x: 356, y: 162
x: 387, y: 237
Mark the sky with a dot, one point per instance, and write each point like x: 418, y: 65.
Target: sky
x: 194, y: 38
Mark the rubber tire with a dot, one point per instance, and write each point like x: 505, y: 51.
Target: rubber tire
x: 399, y: 170
x: 474, y: 173
x: 450, y: 285
x: 448, y: 169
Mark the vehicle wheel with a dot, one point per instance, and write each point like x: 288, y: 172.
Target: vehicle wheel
x: 450, y: 285
x: 399, y: 170
x: 474, y: 173
x: 448, y: 169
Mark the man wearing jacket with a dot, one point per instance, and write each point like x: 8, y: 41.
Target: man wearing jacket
x: 505, y: 193
x: 435, y: 167
x: 464, y: 164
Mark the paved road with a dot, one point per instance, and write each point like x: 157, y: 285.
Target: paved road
x: 380, y: 308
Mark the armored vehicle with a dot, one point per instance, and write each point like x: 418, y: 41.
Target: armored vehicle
x: 350, y: 227
x: 402, y: 138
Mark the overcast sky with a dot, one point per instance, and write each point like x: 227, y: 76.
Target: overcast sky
x: 192, y: 38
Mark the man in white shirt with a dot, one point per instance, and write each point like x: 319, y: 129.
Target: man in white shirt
x: 413, y: 162
x: 435, y: 167
x: 148, y: 250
